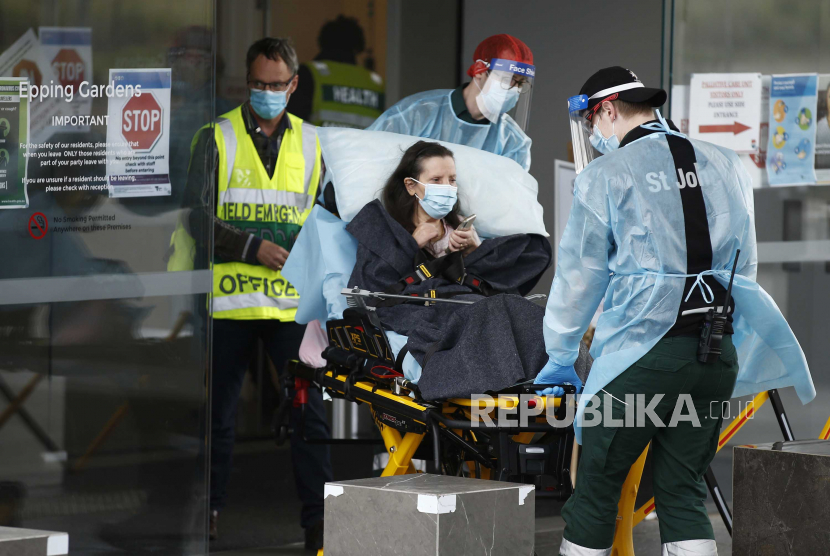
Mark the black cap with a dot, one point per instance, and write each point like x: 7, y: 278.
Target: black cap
x: 616, y: 76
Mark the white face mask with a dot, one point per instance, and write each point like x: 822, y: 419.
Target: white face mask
x: 496, y: 101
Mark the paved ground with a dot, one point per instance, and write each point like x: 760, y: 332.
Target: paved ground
x: 106, y: 512
x: 548, y: 537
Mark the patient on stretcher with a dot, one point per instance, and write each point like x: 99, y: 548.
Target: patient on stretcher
x: 462, y: 349
x: 406, y: 242
x: 421, y: 195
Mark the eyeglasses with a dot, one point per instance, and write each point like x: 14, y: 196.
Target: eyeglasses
x: 274, y: 86
x: 510, y: 81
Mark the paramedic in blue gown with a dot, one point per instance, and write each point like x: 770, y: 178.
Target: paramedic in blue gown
x: 654, y: 228
x: 488, y: 113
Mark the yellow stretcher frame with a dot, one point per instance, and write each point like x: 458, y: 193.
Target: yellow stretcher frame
x: 402, y: 447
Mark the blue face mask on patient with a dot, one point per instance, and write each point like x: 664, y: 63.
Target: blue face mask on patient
x: 439, y: 199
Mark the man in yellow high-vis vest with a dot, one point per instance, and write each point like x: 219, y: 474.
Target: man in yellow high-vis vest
x: 266, y: 165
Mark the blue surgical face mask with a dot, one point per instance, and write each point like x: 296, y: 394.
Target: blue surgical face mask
x: 439, y: 199
x: 268, y: 104
x: 603, y: 144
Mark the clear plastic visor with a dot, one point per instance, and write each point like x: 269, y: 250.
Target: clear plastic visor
x: 509, y: 85
x: 581, y: 131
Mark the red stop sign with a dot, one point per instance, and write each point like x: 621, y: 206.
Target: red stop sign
x: 141, y: 120
x: 69, y: 67
x: 29, y: 70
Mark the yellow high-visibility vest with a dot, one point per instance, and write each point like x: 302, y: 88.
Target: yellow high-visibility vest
x: 270, y: 208
x: 345, y: 95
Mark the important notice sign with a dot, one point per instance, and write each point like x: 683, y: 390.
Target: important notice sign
x: 725, y: 109
x: 140, y: 127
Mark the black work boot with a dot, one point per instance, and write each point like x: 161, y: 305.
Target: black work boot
x: 314, y: 536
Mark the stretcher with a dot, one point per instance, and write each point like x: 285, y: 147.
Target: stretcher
x: 452, y: 434
x: 361, y: 369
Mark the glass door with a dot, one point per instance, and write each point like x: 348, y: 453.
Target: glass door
x: 104, y: 336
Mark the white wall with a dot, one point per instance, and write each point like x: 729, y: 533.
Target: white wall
x: 570, y: 41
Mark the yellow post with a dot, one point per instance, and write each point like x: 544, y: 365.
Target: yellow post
x: 623, y: 535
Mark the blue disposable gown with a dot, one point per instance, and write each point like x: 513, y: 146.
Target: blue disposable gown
x: 430, y: 115
x: 626, y: 242
x: 319, y: 267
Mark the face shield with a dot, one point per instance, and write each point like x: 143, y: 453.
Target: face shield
x: 507, y: 90
x: 581, y: 131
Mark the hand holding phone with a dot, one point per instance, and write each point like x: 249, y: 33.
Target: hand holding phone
x: 467, y: 223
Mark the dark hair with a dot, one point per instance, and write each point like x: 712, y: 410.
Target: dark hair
x: 343, y: 33
x: 273, y: 49
x: 396, y: 199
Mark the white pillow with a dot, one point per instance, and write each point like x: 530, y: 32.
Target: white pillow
x: 494, y: 188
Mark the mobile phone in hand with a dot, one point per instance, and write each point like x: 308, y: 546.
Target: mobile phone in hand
x: 467, y: 223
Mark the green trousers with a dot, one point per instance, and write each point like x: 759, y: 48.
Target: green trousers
x: 681, y: 454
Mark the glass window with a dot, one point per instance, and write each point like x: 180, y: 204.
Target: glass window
x: 792, y: 223
x: 104, y: 337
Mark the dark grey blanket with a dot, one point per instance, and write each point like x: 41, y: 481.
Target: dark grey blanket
x: 463, y: 349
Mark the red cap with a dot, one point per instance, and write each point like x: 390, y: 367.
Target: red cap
x: 505, y: 47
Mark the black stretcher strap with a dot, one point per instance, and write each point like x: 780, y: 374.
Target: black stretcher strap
x: 450, y: 267
x: 399, y: 359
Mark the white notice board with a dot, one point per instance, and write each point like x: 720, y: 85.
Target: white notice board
x: 725, y: 109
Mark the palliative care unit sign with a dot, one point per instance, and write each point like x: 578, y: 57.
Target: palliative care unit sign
x: 792, y: 130
x: 138, y: 134
x: 14, y: 136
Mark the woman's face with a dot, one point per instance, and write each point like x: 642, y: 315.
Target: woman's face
x: 438, y: 169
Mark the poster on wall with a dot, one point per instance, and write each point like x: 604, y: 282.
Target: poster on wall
x: 14, y: 137
x: 823, y: 130
x: 755, y: 163
x: 792, y: 130
x: 68, y: 50
x: 24, y: 59
x: 725, y: 109
x: 138, y: 133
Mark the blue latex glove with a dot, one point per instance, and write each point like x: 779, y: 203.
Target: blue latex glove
x: 557, y: 374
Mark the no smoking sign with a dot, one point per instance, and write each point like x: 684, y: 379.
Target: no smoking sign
x: 38, y: 225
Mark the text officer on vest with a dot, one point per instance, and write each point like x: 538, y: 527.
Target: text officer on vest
x: 267, y: 167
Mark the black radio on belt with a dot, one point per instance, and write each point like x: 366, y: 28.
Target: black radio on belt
x: 711, y: 333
